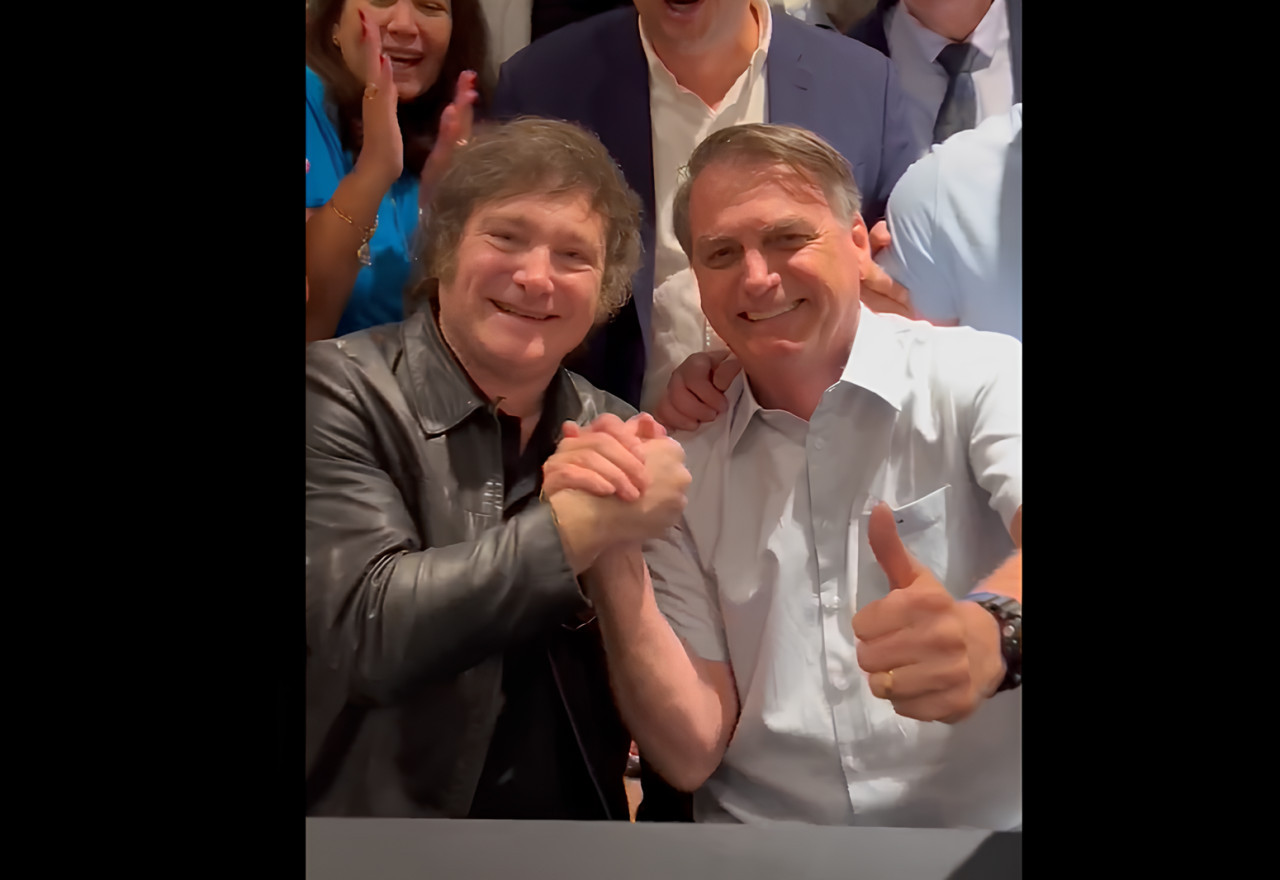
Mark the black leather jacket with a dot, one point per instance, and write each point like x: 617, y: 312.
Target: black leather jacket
x: 416, y: 585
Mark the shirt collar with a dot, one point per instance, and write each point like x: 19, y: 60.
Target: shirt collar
x: 986, y: 37
x: 659, y: 71
x: 877, y: 362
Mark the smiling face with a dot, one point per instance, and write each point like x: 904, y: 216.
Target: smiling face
x: 777, y: 270
x: 527, y: 283
x: 415, y: 37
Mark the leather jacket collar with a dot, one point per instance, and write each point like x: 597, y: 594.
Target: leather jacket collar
x: 443, y: 394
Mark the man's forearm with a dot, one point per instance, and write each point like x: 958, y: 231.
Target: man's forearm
x: 676, y: 717
x: 1007, y: 579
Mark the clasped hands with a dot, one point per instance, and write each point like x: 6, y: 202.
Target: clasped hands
x: 614, y: 483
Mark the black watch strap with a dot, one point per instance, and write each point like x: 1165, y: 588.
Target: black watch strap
x: 1008, y: 613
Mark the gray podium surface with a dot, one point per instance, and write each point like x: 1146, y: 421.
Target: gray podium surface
x: 400, y: 849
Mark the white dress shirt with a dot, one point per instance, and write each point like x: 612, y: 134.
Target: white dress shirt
x: 955, y: 226
x: 510, y: 22
x: 913, y: 48
x: 772, y: 561
x: 681, y: 121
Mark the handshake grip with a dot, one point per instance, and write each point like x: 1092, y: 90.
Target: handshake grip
x: 663, y: 500
x: 615, y: 483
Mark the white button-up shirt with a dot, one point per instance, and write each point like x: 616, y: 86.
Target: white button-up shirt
x: 914, y: 50
x: 772, y: 561
x: 680, y: 121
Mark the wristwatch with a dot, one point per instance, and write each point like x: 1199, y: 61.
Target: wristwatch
x: 1008, y: 613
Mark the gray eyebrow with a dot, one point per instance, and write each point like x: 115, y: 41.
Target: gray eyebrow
x: 791, y: 224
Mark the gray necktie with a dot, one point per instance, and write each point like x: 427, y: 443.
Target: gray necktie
x: 959, y: 110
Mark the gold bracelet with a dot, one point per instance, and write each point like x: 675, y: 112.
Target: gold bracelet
x: 366, y: 234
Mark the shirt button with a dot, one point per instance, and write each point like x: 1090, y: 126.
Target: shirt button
x: 831, y: 603
x: 819, y: 443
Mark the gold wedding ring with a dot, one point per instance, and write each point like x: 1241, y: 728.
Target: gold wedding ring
x: 888, y: 685
x: 370, y: 91
x: 461, y: 142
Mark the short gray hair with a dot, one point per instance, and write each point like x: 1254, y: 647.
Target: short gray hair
x: 802, y: 151
x: 536, y: 156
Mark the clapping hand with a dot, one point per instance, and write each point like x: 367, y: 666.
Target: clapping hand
x: 454, y: 131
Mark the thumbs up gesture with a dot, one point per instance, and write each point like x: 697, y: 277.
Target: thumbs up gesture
x: 933, y: 657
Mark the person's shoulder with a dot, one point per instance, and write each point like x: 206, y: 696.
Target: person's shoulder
x: 953, y: 340
x: 354, y: 354
x: 917, y: 187
x: 565, y: 47
x: 827, y: 46
x: 960, y: 360
x: 946, y: 347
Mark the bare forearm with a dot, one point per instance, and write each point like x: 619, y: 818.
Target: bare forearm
x: 678, y: 720
x: 332, y: 243
x: 1007, y: 579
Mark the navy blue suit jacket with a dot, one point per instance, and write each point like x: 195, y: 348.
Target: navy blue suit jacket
x: 595, y: 73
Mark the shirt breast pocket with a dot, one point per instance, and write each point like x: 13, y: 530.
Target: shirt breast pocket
x: 922, y: 526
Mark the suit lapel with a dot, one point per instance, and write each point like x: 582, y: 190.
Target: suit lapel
x: 788, y: 78
x: 620, y: 111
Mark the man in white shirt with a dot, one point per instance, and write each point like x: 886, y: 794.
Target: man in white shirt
x: 805, y: 649
x: 917, y: 35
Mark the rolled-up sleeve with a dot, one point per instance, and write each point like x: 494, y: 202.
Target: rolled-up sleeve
x: 685, y: 594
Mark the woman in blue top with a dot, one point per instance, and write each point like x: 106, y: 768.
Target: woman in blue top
x: 391, y: 88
